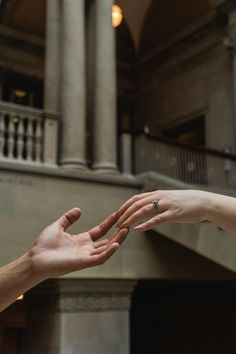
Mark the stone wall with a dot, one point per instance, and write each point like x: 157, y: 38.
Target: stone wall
x: 192, y: 78
x: 31, y: 198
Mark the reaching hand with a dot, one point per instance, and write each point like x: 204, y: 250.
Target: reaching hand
x: 173, y: 206
x: 57, y: 252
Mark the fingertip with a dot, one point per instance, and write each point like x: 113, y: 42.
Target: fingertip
x: 125, y: 230
x: 116, y: 245
x: 137, y: 228
x: 76, y: 210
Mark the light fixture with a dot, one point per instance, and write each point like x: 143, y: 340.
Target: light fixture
x: 117, y: 15
x: 20, y: 93
x: 15, y: 119
x: 20, y: 298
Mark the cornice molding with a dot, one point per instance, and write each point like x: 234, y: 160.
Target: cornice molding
x: 75, y: 295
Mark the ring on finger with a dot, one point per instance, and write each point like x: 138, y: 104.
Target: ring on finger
x: 156, y: 205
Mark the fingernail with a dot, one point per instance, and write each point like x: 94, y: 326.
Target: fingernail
x: 137, y: 227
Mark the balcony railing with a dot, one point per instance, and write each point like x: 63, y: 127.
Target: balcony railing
x: 22, y: 134
x: 190, y: 164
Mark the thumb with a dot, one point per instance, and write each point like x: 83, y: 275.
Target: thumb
x: 69, y: 218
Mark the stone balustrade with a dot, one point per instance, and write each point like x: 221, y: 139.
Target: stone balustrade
x: 21, y: 134
x: 190, y: 164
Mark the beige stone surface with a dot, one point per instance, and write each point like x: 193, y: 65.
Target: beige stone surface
x: 205, y: 239
x: 194, y: 79
x: 30, y: 201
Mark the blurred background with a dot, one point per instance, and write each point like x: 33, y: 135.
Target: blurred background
x: 101, y: 100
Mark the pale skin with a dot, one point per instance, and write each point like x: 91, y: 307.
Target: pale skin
x: 178, y: 206
x: 57, y: 252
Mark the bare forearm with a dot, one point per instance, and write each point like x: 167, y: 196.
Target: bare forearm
x: 15, y: 279
x: 222, y: 212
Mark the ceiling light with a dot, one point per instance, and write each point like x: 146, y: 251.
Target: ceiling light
x: 117, y: 15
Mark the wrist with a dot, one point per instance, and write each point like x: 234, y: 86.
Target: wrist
x: 210, y: 206
x: 207, y: 206
x: 36, y: 273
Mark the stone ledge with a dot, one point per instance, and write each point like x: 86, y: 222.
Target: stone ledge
x: 59, y: 172
x: 73, y: 295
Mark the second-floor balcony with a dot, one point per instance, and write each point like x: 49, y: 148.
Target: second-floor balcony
x: 23, y: 134
x: 187, y: 163
x: 28, y: 137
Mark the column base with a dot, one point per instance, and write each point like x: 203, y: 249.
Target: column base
x: 106, y: 168
x: 78, y: 316
x: 73, y: 164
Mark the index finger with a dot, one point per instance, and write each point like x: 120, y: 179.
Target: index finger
x: 130, y: 201
x: 101, y: 229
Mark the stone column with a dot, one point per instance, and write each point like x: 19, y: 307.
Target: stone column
x: 90, y: 47
x: 52, y: 81
x: 126, y: 153
x: 73, y: 84
x: 230, y: 43
x: 1, y: 84
x: 79, y: 316
x: 105, y: 125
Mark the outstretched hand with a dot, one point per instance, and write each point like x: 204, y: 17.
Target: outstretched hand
x: 173, y: 206
x: 57, y: 252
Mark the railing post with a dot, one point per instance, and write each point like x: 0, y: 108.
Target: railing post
x: 2, y: 133
x: 50, y: 139
x: 20, y: 140
x: 29, y: 141
x: 11, y: 140
x: 126, y: 153
x: 38, y: 141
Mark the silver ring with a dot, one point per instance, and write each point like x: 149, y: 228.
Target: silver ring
x: 156, y: 205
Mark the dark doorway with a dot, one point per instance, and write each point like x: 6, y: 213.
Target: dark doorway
x: 191, y: 132
x: 12, y: 325
x: 183, y: 318
x: 23, y: 90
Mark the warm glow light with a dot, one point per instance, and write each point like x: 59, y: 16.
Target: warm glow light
x: 20, y: 93
x: 15, y: 119
x: 20, y: 298
x: 117, y: 15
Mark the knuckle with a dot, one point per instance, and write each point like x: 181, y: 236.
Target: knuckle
x: 137, y: 205
x: 146, y: 208
x: 135, y: 198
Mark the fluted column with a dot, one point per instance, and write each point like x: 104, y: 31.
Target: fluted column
x: 52, y: 81
x: 105, y: 135
x: 73, y: 84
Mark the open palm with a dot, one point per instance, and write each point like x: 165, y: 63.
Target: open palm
x: 57, y: 252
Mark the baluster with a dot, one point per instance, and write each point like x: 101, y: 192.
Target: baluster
x: 29, y: 141
x: 11, y: 138
x: 2, y: 135
x: 185, y: 162
x: 38, y: 142
x: 160, y: 157
x: 20, y: 139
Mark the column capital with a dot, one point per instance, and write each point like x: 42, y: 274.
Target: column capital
x: 82, y: 295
